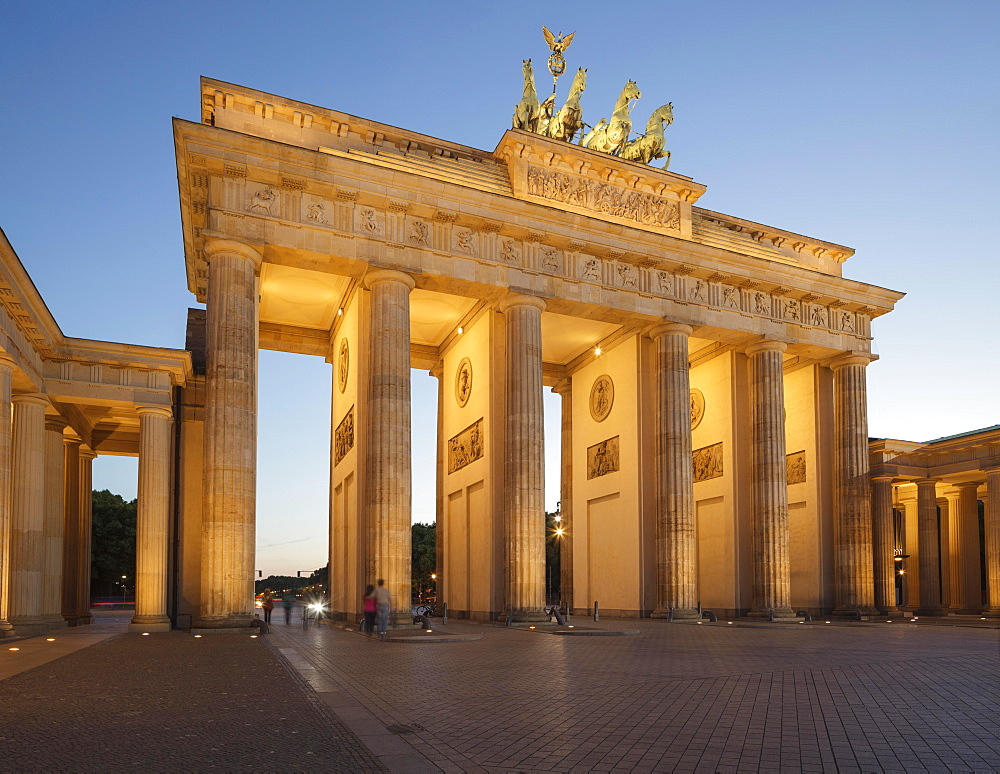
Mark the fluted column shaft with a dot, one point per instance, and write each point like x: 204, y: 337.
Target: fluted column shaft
x: 152, y: 520
x: 883, y: 545
x: 54, y: 523
x: 6, y: 375
x: 969, y: 596
x: 388, y: 492
x: 441, y: 526
x: 769, y: 483
x: 228, y: 528
x: 993, y: 542
x: 565, y: 390
x: 852, y: 494
x: 85, y: 484
x: 524, y: 459
x: 676, y: 575
x: 71, y: 530
x: 27, y: 564
x: 929, y: 548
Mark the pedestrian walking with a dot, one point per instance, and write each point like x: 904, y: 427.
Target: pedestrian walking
x: 383, y: 603
x: 288, y: 602
x: 368, y: 625
x: 267, y: 603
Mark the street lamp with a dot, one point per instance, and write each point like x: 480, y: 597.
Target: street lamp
x: 123, y: 591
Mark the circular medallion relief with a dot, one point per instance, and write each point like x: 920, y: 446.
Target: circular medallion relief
x: 602, y: 397
x: 463, y: 381
x: 343, y: 365
x: 697, y: 407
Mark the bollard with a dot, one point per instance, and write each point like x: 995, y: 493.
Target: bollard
x: 670, y: 615
x: 559, y: 619
x: 770, y: 613
x: 567, y: 612
x: 425, y: 621
x: 710, y: 616
x: 444, y: 614
x: 597, y: 615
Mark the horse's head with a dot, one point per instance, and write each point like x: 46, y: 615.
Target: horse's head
x: 631, y: 91
x: 666, y: 113
x: 527, y: 67
x: 580, y: 79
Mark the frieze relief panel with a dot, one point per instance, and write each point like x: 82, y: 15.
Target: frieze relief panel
x: 707, y: 462
x: 466, y: 447
x: 343, y: 438
x: 602, y: 458
x: 642, y: 208
x: 795, y: 467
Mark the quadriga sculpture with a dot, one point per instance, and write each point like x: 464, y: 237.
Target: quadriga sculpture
x: 650, y: 146
x: 526, y: 111
x: 569, y: 120
x: 611, y: 136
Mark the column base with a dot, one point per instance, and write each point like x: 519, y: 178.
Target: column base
x: 779, y: 613
x: 931, y: 612
x: 29, y: 627
x: 218, y: 623
x: 163, y: 626
x: 528, y: 616
x: 57, y: 622
x: 400, y: 620
x: 991, y: 612
x: 889, y: 610
x: 678, y: 614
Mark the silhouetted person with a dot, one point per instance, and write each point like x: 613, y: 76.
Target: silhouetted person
x: 370, y: 611
x: 288, y: 602
x: 383, y: 602
x: 267, y: 603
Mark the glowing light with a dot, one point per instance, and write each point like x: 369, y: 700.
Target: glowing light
x: 983, y: 618
x: 826, y: 622
x: 700, y: 622
x: 560, y: 531
x: 902, y: 572
x: 429, y: 631
x: 145, y: 634
x: 197, y: 636
x: 253, y: 636
x: 570, y: 626
x: 461, y: 330
x: 13, y: 648
x: 434, y: 576
x: 597, y: 351
x: 916, y: 618
x: 557, y: 519
x: 340, y: 313
x: 50, y: 639
x: 801, y: 622
x: 729, y: 622
x: 531, y: 627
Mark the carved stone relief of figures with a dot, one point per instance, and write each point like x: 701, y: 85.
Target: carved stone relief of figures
x: 698, y: 291
x: 591, y: 269
x: 665, y: 282
x: 730, y: 297
x: 792, y: 309
x: 369, y: 221
x: 463, y: 381
x: 819, y: 316
x: 697, y: 407
x: 466, y: 447
x: 316, y: 213
x: 466, y: 239
x: 602, y: 458
x: 419, y: 232
x: 760, y: 301
x: 343, y: 437
x: 509, y: 251
x: 550, y: 258
x: 343, y: 364
x: 707, y: 462
x: 847, y: 322
x: 262, y: 201
x: 642, y: 208
x: 627, y: 275
x: 602, y: 398
x: 795, y: 467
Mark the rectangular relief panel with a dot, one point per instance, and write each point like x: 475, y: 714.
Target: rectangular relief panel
x: 344, y: 437
x: 603, y: 458
x: 466, y: 447
x: 707, y: 462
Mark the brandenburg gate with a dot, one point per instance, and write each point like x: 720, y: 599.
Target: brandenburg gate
x: 714, y: 438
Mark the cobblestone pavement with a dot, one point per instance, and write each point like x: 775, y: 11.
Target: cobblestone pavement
x: 169, y: 702
x: 676, y: 697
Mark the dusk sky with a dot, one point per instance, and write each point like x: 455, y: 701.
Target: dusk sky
x: 870, y: 124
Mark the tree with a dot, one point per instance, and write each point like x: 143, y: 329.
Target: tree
x: 424, y: 537
x: 113, y: 544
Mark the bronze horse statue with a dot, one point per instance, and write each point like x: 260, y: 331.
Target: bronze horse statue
x: 611, y: 136
x: 526, y: 111
x: 649, y: 146
x: 569, y: 120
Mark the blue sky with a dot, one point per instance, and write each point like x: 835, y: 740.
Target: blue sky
x: 871, y: 124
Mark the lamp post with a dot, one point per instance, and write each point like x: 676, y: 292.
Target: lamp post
x: 123, y: 591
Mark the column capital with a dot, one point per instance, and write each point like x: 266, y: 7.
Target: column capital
x: 87, y: 454
x: 6, y: 361
x: 881, y: 477
x: 56, y: 424
x: 72, y: 440
x: 968, y: 485
x: 376, y: 276
x: 991, y: 466
x: 927, y: 482
x: 520, y: 299
x: 30, y: 399
x: 851, y: 358
x: 155, y: 411
x: 662, y: 329
x: 765, y: 345
x: 216, y: 247
x: 563, y: 387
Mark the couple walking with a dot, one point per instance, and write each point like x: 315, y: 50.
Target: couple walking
x: 377, y: 604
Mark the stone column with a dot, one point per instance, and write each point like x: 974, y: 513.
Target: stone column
x: 884, y: 545
x: 54, y: 523
x: 676, y: 575
x: 387, y: 465
x: 992, y: 524
x: 769, y: 483
x: 85, y: 482
x: 152, y: 520
x: 970, y: 594
x: 227, y: 598
x: 440, y: 527
x: 6, y: 376
x: 27, y: 564
x: 71, y: 530
x: 852, y: 496
x: 928, y: 548
x: 524, y: 459
x: 565, y: 390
